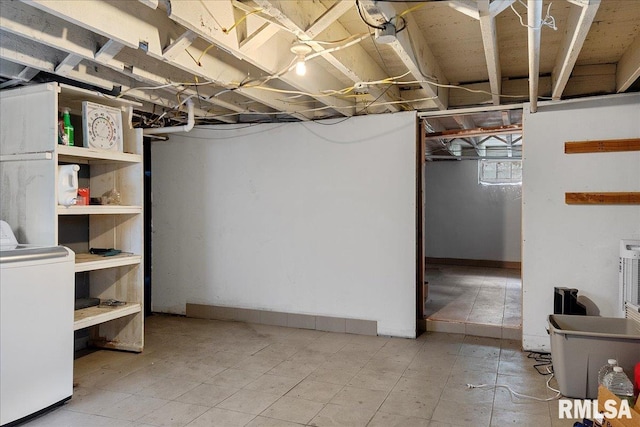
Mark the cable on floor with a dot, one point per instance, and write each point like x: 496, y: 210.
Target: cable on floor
x: 520, y: 395
x: 544, y: 362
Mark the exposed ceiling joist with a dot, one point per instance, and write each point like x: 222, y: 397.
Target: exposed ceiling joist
x: 15, y: 73
x: 148, y: 28
x: 413, y: 50
x: 153, y: 4
x: 205, y: 20
x: 431, y: 126
x: 466, y: 122
x: 254, y: 41
x: 327, y: 18
x: 578, y: 24
x: 353, y: 62
x: 67, y: 64
x: 234, y: 57
x: 95, y: 75
x: 176, y: 47
x: 35, y: 56
x: 628, y: 70
x: 468, y: 7
x: 466, y: 133
x: 490, y: 42
x: 27, y: 22
x: 108, y: 51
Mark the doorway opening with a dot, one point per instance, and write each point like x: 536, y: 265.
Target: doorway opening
x: 472, y: 222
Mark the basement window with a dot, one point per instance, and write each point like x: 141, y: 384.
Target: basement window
x: 500, y: 172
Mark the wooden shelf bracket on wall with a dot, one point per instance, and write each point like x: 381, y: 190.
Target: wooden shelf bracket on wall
x: 602, y: 146
x: 621, y: 198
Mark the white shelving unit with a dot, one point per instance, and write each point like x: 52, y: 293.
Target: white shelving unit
x: 29, y: 156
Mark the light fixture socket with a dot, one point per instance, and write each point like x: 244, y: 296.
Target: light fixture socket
x: 300, y: 49
x: 386, y: 34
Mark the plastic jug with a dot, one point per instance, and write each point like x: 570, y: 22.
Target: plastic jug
x: 606, y: 369
x: 68, y: 184
x: 619, y: 384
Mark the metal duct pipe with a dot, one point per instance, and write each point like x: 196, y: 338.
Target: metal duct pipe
x: 534, y: 23
x: 173, y: 129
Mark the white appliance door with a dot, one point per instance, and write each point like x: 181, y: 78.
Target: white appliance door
x: 36, y: 333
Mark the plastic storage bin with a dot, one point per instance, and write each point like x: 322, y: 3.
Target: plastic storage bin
x: 580, y: 345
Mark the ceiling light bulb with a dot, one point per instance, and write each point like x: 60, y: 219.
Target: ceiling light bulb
x: 301, y: 67
x: 301, y: 50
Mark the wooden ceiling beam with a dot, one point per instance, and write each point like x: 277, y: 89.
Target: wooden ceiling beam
x: 412, y: 49
x: 353, y: 62
x: 578, y: 25
x: 94, y: 75
x: 628, y: 70
x: 206, y: 22
x: 490, y: 42
x: 466, y: 133
x: 151, y: 27
x: 27, y: 22
x: 466, y: 122
x: 329, y: 17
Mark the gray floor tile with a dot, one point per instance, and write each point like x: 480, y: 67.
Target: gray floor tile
x: 249, y: 401
x: 293, y: 409
x: 312, y: 377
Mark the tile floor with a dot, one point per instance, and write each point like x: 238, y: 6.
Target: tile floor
x: 197, y: 372
x: 474, y: 301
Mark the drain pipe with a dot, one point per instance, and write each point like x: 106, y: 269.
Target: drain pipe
x: 534, y: 18
x: 173, y: 129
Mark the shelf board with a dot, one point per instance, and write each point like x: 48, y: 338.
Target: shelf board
x: 91, y: 316
x: 611, y: 198
x: 90, y: 262
x: 602, y: 146
x: 70, y: 153
x: 98, y: 210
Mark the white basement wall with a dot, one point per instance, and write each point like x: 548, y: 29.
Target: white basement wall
x: 307, y: 218
x: 466, y: 220
x: 575, y: 246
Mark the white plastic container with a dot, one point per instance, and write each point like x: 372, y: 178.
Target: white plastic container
x: 68, y: 184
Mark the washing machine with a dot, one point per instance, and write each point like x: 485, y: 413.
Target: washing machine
x: 36, y: 327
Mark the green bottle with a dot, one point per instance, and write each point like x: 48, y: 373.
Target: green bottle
x: 68, y: 128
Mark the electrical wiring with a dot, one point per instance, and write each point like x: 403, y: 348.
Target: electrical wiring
x: 399, y: 16
x: 259, y: 82
x: 378, y: 27
x: 333, y: 49
x: 452, y: 87
x: 548, y: 21
x: 297, y: 92
x: 344, y: 40
x: 520, y: 395
x: 327, y: 107
x: 411, y: 9
x: 235, y: 24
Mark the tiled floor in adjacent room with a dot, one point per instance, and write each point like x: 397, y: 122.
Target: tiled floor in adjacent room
x: 214, y: 373
x: 474, y: 301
